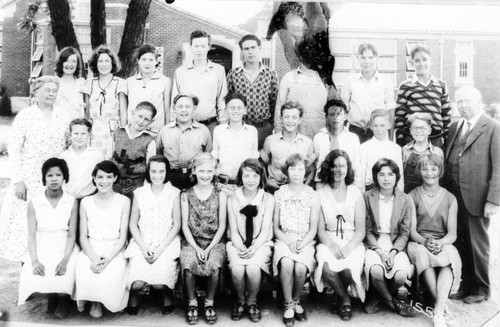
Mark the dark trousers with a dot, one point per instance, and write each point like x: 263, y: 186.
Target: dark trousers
x: 473, y: 245
x: 127, y: 186
x: 180, y: 180
x: 264, y: 130
x: 363, y: 134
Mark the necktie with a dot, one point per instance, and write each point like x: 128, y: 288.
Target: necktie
x: 250, y: 211
x: 465, y: 131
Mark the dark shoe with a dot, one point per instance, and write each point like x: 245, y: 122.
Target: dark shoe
x: 238, y: 311
x: 403, y: 309
x: 372, y: 306
x: 167, y: 309
x: 289, y: 322
x: 52, y: 303
x: 210, y: 315
x: 62, y: 309
x: 460, y: 295
x: 192, y: 315
x: 475, y: 298
x: 132, y: 311
x: 254, y: 313
x: 345, y: 312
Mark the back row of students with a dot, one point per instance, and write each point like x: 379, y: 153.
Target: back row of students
x: 109, y: 100
x: 336, y: 236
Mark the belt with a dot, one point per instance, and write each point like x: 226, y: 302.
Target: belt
x: 181, y: 170
x: 358, y: 129
x: 208, y: 121
x: 223, y: 179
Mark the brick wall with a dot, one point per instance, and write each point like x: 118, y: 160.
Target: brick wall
x: 16, y: 54
x: 487, y: 70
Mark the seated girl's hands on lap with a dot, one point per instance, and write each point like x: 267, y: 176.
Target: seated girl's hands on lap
x: 200, y: 254
x: 61, y: 268
x: 346, y: 251
x: 336, y: 251
x: 38, y: 268
x: 293, y: 246
x: 249, y: 252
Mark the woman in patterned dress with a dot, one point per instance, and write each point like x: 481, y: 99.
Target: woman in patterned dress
x: 433, y: 231
x: 249, y: 252
x: 203, y: 253
x: 105, y: 99
x: 296, y: 214
x: 155, y: 222
x: 341, y: 231
x: 68, y: 68
x: 37, y: 134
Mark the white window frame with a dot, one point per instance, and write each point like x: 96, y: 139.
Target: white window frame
x: 464, y: 53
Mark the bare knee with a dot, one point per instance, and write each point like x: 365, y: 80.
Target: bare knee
x: 286, y: 265
x: 238, y: 272
x: 137, y: 285
x: 377, y: 273
x: 299, y: 269
x: 253, y: 271
x: 400, y: 278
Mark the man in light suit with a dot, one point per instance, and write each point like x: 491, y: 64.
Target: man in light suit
x: 473, y: 175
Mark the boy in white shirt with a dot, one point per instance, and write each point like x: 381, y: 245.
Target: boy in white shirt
x: 81, y: 159
x: 379, y: 146
x: 234, y: 142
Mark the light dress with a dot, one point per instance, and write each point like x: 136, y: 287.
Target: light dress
x: 401, y: 261
x: 104, y: 111
x: 155, y: 222
x: 263, y: 255
x: 432, y: 223
x: 341, y: 232
x: 33, y: 139
x: 51, y: 239
x: 110, y: 286
x: 295, y: 215
x: 70, y: 98
x: 203, y: 223
x: 151, y: 92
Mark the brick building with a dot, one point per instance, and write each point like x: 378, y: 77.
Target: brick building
x: 463, y: 39
x: 168, y: 28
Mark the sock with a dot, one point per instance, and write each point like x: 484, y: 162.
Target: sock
x: 209, y: 303
x: 193, y: 303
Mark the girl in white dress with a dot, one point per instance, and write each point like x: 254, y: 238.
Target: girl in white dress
x: 155, y: 222
x: 296, y: 212
x: 68, y: 68
x: 52, y: 219
x: 102, y: 270
x: 249, y: 252
x: 341, y: 231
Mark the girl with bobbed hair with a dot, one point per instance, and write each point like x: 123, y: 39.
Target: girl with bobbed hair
x: 341, y: 230
x: 38, y: 133
x: 155, y: 222
x: 250, y: 211
x: 105, y: 98
x: 150, y: 85
x: 102, y: 270
x: 52, y: 224
x: 69, y: 69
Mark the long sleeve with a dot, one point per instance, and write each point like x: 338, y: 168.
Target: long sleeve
x: 404, y: 226
x: 273, y: 94
x: 445, y: 110
x: 221, y: 94
x: 494, y: 185
x: 175, y: 92
x: 371, y: 236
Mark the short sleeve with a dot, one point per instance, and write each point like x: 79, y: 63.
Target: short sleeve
x: 122, y: 86
x: 87, y: 86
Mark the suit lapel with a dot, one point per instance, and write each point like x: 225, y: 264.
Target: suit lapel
x: 396, y: 210
x: 475, y: 132
x: 374, y: 204
x: 451, y: 138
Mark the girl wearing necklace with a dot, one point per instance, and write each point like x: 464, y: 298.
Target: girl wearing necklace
x: 433, y: 231
x: 420, y: 129
x: 388, y: 214
x: 203, y: 250
x: 105, y: 99
x: 296, y: 213
x: 52, y: 220
x: 249, y: 252
x: 341, y: 231
x: 68, y: 68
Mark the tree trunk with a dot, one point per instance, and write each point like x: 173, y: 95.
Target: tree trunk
x: 133, y: 35
x: 62, y: 27
x: 97, y: 23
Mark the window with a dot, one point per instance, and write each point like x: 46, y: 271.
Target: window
x: 464, y: 53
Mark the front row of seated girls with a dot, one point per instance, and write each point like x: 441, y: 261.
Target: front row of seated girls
x: 110, y: 273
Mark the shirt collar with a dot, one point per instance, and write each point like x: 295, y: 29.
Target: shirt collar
x: 473, y: 120
x: 382, y: 197
x: 127, y: 130
x: 416, y: 80
x: 261, y: 67
x: 156, y: 75
x: 360, y: 76
x: 299, y: 70
x: 210, y: 64
x: 298, y: 137
x: 430, y: 146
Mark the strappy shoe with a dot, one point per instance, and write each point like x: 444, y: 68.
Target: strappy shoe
x: 210, y: 315
x: 345, y: 312
x: 299, y: 316
x: 254, y: 313
x: 238, y: 311
x: 192, y: 315
x: 289, y: 306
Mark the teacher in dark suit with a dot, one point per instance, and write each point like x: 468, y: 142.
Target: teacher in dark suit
x: 473, y: 175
